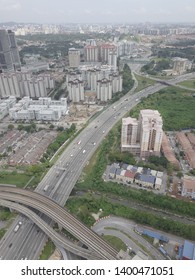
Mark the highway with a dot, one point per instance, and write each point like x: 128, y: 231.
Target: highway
x: 62, y: 217
x: 62, y: 177
x: 58, y: 239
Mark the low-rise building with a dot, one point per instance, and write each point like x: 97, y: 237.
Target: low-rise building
x: 42, y: 109
x: 119, y: 176
x: 188, y: 187
x: 5, y: 105
x: 158, y: 183
x: 145, y: 180
x: 112, y: 172
x: 129, y: 176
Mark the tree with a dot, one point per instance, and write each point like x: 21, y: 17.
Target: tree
x: 10, y: 126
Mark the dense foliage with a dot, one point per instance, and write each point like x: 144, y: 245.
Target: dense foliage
x: 76, y: 205
x: 175, y: 105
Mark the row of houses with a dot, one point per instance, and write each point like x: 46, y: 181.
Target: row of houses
x: 144, y: 177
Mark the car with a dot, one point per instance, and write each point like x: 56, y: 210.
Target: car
x: 103, y: 131
x: 84, y: 151
x: 71, y: 155
x: 79, y: 142
x: 94, y: 143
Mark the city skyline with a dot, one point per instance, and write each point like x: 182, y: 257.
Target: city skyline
x: 86, y: 11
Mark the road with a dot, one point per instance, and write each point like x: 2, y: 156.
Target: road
x: 60, y: 216
x: 73, y: 161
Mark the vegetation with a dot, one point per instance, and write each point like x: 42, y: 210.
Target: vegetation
x: 47, y: 251
x: 14, y: 178
x: 190, y: 83
x: 128, y: 81
x: 5, y: 214
x: 172, y: 103
x: 170, y: 52
x: 28, y: 128
x: 93, y: 181
x: 186, y: 231
x: 115, y: 242
x: 143, y: 82
x: 156, y: 66
x: 60, y: 139
x: 2, y: 232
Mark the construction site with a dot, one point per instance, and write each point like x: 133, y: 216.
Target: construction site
x: 80, y: 113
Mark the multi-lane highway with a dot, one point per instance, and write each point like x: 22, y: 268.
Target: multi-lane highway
x: 62, y: 177
x: 63, y: 218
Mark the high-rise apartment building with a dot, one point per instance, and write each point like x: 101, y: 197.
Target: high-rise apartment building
x: 105, y: 50
x: 104, y: 90
x: 21, y: 84
x: 112, y: 59
x: 74, y: 58
x: 76, y: 90
x: 14, y: 50
x: 9, y: 56
x: 91, y: 53
x: 150, y: 132
x: 117, y: 82
x: 143, y: 136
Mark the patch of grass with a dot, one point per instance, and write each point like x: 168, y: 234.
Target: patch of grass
x: 143, y: 82
x: 14, y: 178
x: 2, y: 232
x: 5, y: 214
x: 175, y: 105
x: 189, y: 83
x: 47, y: 251
x: 115, y: 242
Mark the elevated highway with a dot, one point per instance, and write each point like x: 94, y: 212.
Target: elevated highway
x: 53, y: 235
x: 62, y: 217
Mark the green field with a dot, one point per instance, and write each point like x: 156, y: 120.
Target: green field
x: 115, y: 242
x: 13, y: 178
x: 189, y: 83
x: 143, y: 82
x: 47, y: 251
x: 177, y: 107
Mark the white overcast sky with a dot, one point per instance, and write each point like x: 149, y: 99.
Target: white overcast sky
x: 97, y: 11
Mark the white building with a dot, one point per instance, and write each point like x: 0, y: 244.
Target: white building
x: 112, y: 59
x: 91, y: 53
x: 129, y: 132
x: 74, y: 58
x: 180, y: 65
x: 5, y: 105
x: 143, y: 136
x: 104, y: 90
x: 42, y: 109
x: 76, y: 90
x: 117, y: 82
x: 150, y: 132
x: 20, y: 84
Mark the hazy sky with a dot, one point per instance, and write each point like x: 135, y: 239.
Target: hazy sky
x: 97, y: 11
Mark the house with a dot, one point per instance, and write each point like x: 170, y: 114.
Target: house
x: 129, y: 176
x: 112, y: 172
x: 158, y: 183
x: 145, y: 180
